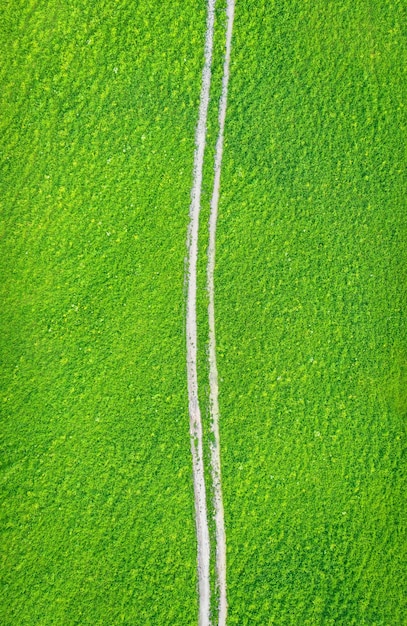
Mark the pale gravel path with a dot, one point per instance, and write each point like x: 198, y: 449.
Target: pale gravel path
x: 213, y: 371
x: 201, y: 514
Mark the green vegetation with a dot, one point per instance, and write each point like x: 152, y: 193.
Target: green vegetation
x: 311, y: 304
x: 99, y: 105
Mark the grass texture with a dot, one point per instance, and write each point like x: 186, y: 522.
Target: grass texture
x: 311, y: 303
x: 98, y: 106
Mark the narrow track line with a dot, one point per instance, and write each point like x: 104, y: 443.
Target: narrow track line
x: 201, y: 515
x: 213, y: 370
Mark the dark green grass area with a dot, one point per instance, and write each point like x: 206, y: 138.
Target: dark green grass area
x: 311, y: 302
x: 99, y: 104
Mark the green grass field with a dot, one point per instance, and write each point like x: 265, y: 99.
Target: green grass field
x: 99, y: 104
x: 99, y: 111
x: 311, y: 304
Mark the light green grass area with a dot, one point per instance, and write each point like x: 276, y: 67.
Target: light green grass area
x: 311, y: 303
x: 99, y: 104
x: 98, y: 111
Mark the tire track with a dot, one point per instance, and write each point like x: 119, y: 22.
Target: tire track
x: 213, y: 371
x: 201, y: 515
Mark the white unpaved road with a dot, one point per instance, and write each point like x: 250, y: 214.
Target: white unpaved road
x: 196, y: 434
x: 195, y: 422
x: 213, y: 371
